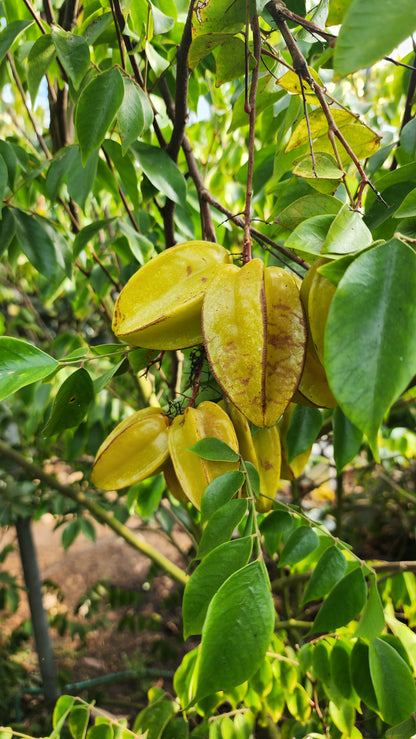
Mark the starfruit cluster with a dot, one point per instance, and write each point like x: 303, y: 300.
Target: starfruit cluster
x: 264, y: 348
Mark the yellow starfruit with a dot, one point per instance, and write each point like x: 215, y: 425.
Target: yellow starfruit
x: 137, y: 448
x: 192, y: 472
x: 293, y: 469
x: 313, y: 389
x: 172, y: 482
x: 160, y: 307
x: 317, y: 293
x: 261, y: 449
x: 255, y: 338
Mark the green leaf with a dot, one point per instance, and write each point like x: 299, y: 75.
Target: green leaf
x: 78, y: 721
x: 360, y: 674
x: 210, y: 574
x: 404, y: 730
x: 154, y: 718
x: 60, y: 712
x: 329, y: 570
x: 371, y: 358
x: 299, y: 545
x: 220, y: 16
x: 253, y: 478
x: 131, y: 114
x: 372, y: 621
x: 406, y: 636
x: 393, y: 682
x: 407, y: 209
x: 4, y: 176
x: 100, y: 731
x: 237, y: 630
x: 370, y: 31
x: 80, y: 176
x: 214, y: 449
x: 39, y: 59
x: 7, y: 229
x: 273, y: 526
x: 35, y: 243
x: 344, y: 602
x: 162, y: 172
x: 10, y: 34
x: 307, y: 207
x: 71, y: 403
x: 408, y: 138
x: 340, y: 668
x: 21, y: 364
x: 70, y: 533
x: 73, y: 53
x: 103, y: 95
x: 309, y: 236
x: 221, y: 525
x: 86, y: 234
x: 219, y: 491
x: 347, y: 233
x: 347, y: 439
x: 324, y: 167
x: 124, y: 169
x: 161, y: 23
x: 201, y: 46
x: 231, y: 60
x: 304, y: 426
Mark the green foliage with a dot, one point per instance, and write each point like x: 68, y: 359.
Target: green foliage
x: 124, y: 154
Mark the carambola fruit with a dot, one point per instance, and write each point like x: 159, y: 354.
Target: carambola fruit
x: 192, y: 472
x: 160, y: 306
x: 255, y: 338
x: 317, y: 293
x: 137, y: 448
x: 293, y: 469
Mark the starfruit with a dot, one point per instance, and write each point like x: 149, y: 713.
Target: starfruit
x: 172, y: 482
x: 160, y: 307
x: 255, y: 337
x: 293, y: 469
x: 192, y: 472
x: 137, y: 448
x: 262, y: 449
x: 313, y: 387
x: 316, y: 294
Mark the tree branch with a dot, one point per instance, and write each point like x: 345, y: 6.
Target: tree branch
x: 100, y: 514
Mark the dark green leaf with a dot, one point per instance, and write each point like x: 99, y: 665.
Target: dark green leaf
x: 340, y: 668
x: 371, y: 358
x: 360, y: 674
x: 101, y: 382
x: 304, y: 426
x: 35, y: 243
x: 7, y: 229
x: 344, y: 602
x: 124, y: 169
x: 370, y: 31
x: 130, y: 114
x: 100, y: 731
x: 221, y: 525
x: 372, y: 621
x: 162, y: 172
x: 404, y: 730
x: 4, y: 176
x: 21, y: 364
x: 329, y: 570
x: 154, y: 718
x: 408, y: 138
x: 214, y: 449
x: 103, y: 95
x: 273, y: 526
x: 210, y: 574
x: 393, y: 682
x: 39, y: 59
x: 10, y: 34
x: 70, y: 533
x: 78, y: 721
x: 73, y: 53
x: 71, y: 403
x: 299, y: 545
x: 80, y: 177
x: 253, y: 478
x: 219, y: 491
x: 309, y: 236
x: 87, y: 233
x: 407, y: 209
x: 237, y: 630
x: 347, y: 439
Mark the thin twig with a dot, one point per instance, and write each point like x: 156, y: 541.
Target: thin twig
x: 251, y: 111
x: 28, y: 111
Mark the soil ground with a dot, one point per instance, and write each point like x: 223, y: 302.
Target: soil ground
x: 155, y: 643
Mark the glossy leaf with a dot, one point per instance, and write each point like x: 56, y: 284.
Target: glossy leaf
x: 210, y: 574
x: 153, y: 719
x: 214, y: 449
x: 71, y: 403
x: 393, y: 682
x: 21, y: 364
x: 221, y: 525
x: 80, y: 176
x: 309, y: 236
x: 408, y: 138
x: 304, y: 426
x: 241, y: 614
x: 103, y: 95
x: 347, y: 439
x: 73, y: 53
x: 307, y: 207
x: 370, y: 31
x: 219, y: 491
x: 323, y: 166
x: 344, y: 602
x: 329, y: 570
x: 404, y: 730
x: 231, y: 60
x: 220, y: 16
x: 78, y: 721
x: 131, y: 117
x: 39, y: 59
x: 299, y: 545
x: 407, y: 209
x: 340, y: 668
x: 273, y: 526
x: 371, y: 358
x: 9, y: 34
x: 162, y: 172
x: 360, y: 674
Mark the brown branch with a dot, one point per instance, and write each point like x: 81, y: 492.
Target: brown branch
x: 181, y: 92
x: 251, y: 110
x: 28, y: 111
x: 121, y: 193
